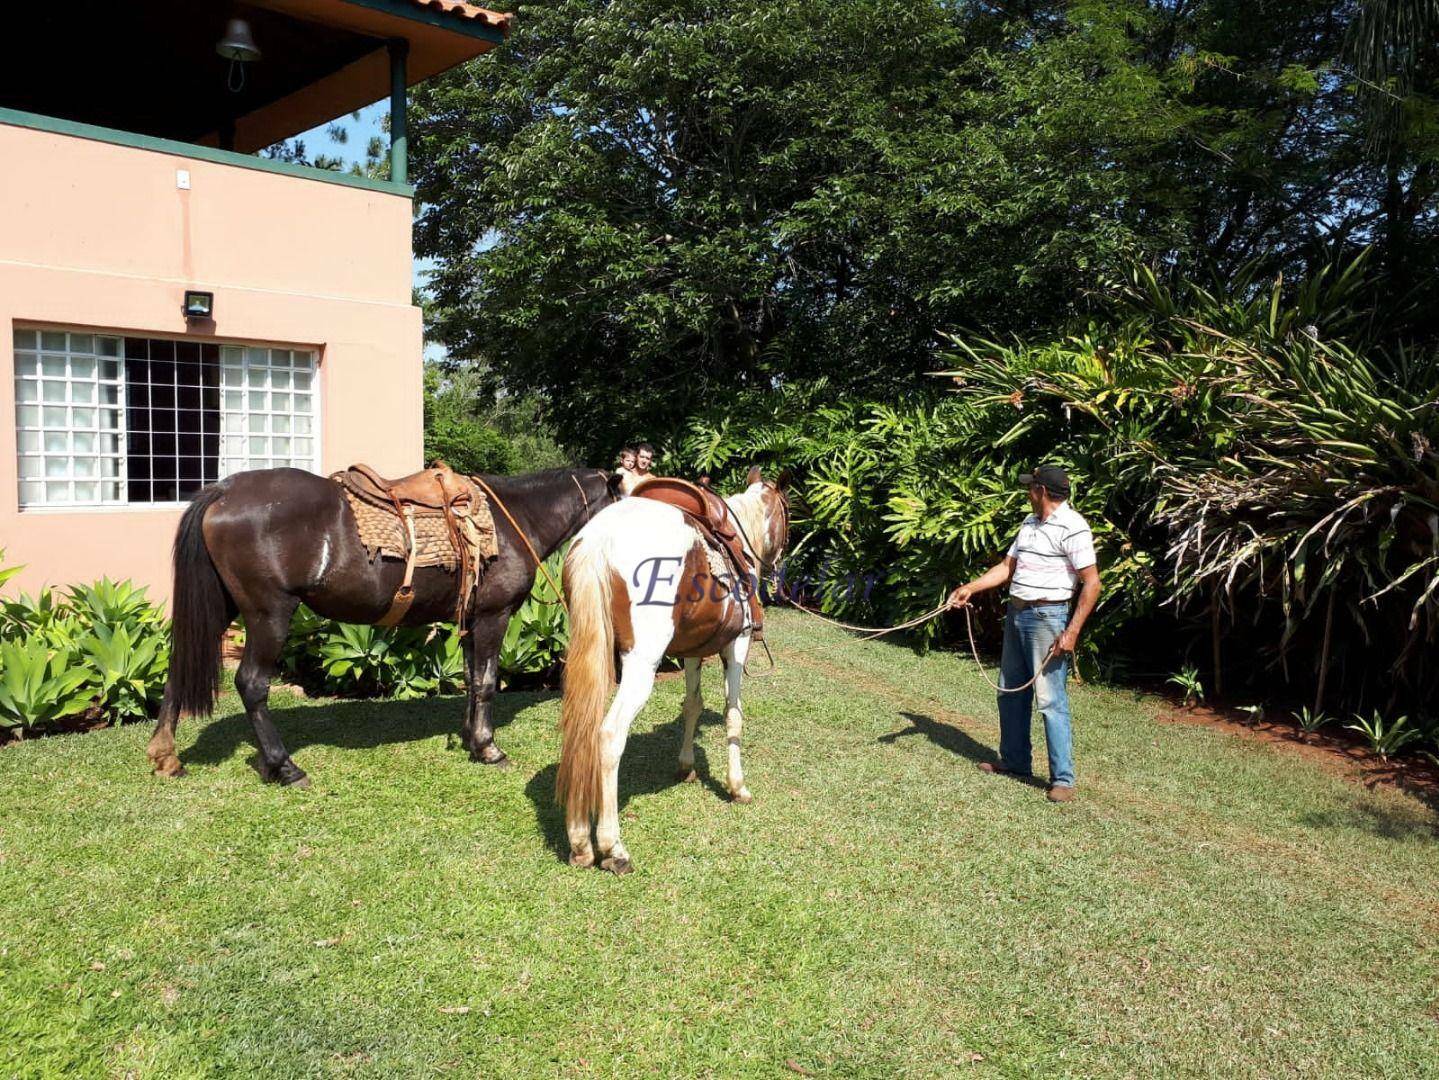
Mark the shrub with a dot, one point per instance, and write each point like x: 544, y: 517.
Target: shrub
x: 349, y: 660
x: 100, y: 649
x: 1261, y: 479
x: 469, y: 445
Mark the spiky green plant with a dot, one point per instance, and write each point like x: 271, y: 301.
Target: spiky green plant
x: 1261, y: 477
x: 1385, y: 737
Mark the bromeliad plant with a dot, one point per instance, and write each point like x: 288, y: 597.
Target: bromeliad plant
x: 1262, y: 479
x: 535, y: 640
x: 113, y: 604
x: 348, y: 660
x: 40, y: 686
x: 1190, y: 684
x: 126, y: 667
x: 1385, y: 737
x: 100, y: 650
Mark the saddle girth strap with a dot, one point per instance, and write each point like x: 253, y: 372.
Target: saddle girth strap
x: 405, y: 594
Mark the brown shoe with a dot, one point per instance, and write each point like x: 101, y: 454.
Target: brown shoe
x: 994, y: 768
x: 1061, y: 793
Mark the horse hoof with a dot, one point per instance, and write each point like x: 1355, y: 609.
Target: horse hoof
x: 686, y: 776
x: 582, y: 859
x: 491, y: 755
x: 618, y: 867
x: 742, y: 797
x: 291, y: 775
x: 170, y: 768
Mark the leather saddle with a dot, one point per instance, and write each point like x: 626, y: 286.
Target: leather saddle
x: 707, y: 511
x: 435, y: 488
x: 436, y: 492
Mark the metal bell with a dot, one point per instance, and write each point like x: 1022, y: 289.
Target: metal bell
x: 238, y: 43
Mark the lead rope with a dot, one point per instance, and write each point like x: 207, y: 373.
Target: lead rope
x: 539, y: 562
x: 867, y: 633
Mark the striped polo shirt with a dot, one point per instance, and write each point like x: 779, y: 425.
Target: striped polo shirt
x: 1049, y: 554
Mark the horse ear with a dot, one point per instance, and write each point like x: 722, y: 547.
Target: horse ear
x: 754, y: 476
x: 782, y: 480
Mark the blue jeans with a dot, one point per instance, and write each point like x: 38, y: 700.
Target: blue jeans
x: 1028, y: 636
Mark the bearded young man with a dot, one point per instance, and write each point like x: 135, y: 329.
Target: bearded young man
x: 1051, y: 556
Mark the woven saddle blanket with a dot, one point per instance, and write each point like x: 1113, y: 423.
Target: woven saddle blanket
x: 382, y: 531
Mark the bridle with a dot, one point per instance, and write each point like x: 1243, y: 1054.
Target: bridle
x: 753, y: 553
x: 783, y: 497
x: 524, y: 539
x: 581, y: 489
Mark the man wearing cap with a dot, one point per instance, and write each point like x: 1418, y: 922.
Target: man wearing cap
x: 1052, y: 555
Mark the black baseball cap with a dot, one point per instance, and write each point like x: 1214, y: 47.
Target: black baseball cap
x: 1055, y: 479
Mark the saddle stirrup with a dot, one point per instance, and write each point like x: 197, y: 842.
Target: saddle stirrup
x: 405, y: 595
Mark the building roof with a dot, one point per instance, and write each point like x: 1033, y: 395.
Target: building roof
x: 156, y: 71
x: 460, y: 10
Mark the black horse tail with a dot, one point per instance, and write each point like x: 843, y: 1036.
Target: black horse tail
x: 203, y: 610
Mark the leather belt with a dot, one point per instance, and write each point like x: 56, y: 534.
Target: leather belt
x: 1023, y: 605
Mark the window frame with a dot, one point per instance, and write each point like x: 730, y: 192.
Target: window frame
x: 38, y: 378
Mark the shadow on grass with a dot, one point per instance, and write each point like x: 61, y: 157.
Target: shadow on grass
x: 945, y: 736
x: 649, y: 765
x: 1378, y: 821
x: 948, y: 737
x: 350, y: 725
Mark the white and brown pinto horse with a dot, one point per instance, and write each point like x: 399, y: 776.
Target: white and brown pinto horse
x: 640, y: 581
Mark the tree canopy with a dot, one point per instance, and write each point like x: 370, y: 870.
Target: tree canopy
x: 639, y: 208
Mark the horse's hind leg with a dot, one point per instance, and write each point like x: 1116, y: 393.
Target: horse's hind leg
x: 734, y: 659
x: 636, y: 685
x: 689, y: 718
x: 161, y: 750
x: 265, y: 633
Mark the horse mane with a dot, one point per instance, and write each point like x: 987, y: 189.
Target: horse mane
x: 522, y: 483
x: 748, y: 509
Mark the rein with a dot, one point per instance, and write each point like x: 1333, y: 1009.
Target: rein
x: 867, y: 633
x: 753, y: 555
x: 539, y: 562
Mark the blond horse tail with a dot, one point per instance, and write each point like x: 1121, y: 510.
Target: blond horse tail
x: 589, y: 679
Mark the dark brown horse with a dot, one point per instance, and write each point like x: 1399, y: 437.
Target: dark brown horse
x: 259, y: 543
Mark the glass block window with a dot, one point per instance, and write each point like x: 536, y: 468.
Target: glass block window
x: 269, y: 409
x: 109, y: 420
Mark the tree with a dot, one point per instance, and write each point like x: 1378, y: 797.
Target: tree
x: 1394, y: 47
x: 642, y: 207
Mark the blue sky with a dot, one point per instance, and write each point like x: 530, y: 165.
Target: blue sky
x: 360, y: 132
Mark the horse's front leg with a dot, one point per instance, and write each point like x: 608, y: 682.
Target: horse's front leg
x: 482, y: 664
x: 734, y: 659
x: 689, y: 716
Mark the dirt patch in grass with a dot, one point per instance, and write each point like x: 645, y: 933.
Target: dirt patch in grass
x: 1332, y: 750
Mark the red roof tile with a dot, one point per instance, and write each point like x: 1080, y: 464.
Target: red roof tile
x: 460, y: 10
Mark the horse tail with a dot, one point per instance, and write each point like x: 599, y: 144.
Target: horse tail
x: 203, y: 609
x: 589, y: 678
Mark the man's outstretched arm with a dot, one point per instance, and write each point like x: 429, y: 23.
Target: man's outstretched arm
x: 992, y: 578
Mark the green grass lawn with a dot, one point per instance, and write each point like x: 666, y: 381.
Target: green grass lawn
x: 1208, y: 905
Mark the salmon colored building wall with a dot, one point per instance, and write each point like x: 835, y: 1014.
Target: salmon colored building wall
x: 100, y: 236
